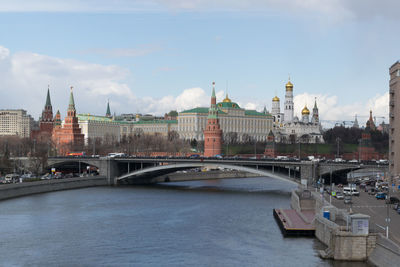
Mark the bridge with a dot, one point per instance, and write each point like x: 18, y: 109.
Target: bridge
x: 134, y: 170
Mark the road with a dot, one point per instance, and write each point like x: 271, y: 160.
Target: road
x: 377, y: 209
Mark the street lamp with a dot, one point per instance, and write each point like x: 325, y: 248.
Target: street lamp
x: 337, y: 150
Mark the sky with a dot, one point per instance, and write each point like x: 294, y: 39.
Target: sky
x: 153, y: 56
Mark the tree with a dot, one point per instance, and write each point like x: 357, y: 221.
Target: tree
x: 173, y: 113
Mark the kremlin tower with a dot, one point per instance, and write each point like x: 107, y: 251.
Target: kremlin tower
x: 46, y: 121
x: 108, y: 112
x: 69, y: 136
x: 43, y: 134
x: 315, y: 116
x: 213, y: 132
x: 289, y: 106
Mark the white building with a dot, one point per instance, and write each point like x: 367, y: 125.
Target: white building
x: 15, y: 122
x: 289, y: 105
x: 234, y: 121
x: 154, y: 127
x: 288, y: 129
x: 102, y: 127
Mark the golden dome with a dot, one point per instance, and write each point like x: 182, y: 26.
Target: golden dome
x: 275, y: 99
x: 289, y: 86
x: 226, y: 100
x: 305, y: 111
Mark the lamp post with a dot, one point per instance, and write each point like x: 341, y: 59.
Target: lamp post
x: 255, y: 147
x: 337, y: 149
x: 330, y: 185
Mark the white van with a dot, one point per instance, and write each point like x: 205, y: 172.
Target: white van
x: 11, y: 178
x: 350, y: 191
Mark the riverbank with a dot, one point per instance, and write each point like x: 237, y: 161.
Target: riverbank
x: 23, y: 189
x: 345, y: 238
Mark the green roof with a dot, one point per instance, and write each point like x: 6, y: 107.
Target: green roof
x: 71, y: 105
x: 196, y: 110
x: 228, y: 105
x: 149, y: 122
x: 108, y: 112
x: 201, y: 110
x: 88, y: 117
x: 255, y: 113
x: 48, y: 102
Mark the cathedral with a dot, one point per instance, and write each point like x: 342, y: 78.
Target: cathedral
x: 288, y: 128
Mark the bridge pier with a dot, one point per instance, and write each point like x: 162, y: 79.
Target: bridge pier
x: 308, y: 172
x: 109, y: 169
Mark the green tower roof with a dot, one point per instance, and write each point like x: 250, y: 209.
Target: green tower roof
x: 48, y: 101
x: 108, y: 112
x: 71, y: 105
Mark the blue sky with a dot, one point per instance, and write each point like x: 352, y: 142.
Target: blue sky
x: 157, y: 55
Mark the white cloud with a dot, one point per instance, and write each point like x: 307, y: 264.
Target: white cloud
x: 331, y: 110
x: 26, y: 76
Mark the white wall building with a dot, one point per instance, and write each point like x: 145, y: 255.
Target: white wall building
x: 93, y: 127
x: 15, y: 122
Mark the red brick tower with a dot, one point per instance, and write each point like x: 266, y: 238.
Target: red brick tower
x: 69, y: 137
x: 213, y: 132
x: 270, y: 146
x: 46, y: 121
x: 43, y: 134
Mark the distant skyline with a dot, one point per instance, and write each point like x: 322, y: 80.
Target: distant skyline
x: 157, y: 55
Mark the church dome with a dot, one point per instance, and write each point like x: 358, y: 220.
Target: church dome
x: 226, y: 100
x: 275, y: 99
x: 305, y: 111
x: 289, y: 86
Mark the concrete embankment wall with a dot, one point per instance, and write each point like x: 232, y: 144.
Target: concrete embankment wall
x: 385, y: 254
x: 210, y: 175
x: 29, y: 188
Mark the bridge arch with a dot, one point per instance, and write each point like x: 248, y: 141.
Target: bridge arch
x: 148, y: 175
x: 74, y: 164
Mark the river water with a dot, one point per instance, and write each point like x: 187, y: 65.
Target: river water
x: 203, y: 223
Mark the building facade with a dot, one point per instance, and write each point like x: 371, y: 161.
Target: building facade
x: 153, y: 127
x: 394, y: 121
x: 99, y: 127
x: 234, y: 121
x: 15, y: 122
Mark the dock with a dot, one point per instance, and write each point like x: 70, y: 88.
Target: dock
x: 295, y: 223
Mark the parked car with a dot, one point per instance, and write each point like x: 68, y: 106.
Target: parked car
x: 398, y: 210
x: 339, y: 195
x: 347, y: 200
x: 380, y: 195
x: 392, y: 200
x: 396, y: 206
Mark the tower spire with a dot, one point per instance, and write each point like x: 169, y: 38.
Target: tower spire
x: 108, y: 112
x: 48, y: 101
x: 71, y: 105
